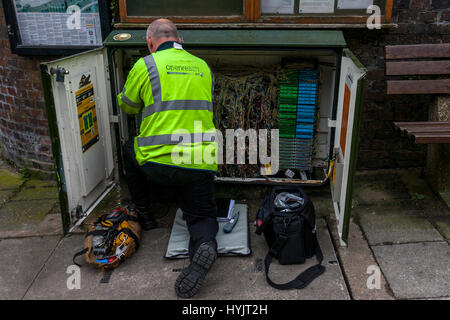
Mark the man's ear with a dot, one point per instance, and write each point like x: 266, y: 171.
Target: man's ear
x: 179, y: 40
x: 149, y: 44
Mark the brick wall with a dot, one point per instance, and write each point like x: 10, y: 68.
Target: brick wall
x: 24, y: 136
x: 420, y: 21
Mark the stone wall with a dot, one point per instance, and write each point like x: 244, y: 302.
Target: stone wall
x: 438, y: 158
x: 420, y: 21
x: 24, y: 135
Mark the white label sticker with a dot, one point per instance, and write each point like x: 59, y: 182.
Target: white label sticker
x: 178, y: 46
x: 354, y: 4
x: 289, y: 173
x: 316, y: 6
x: 277, y: 6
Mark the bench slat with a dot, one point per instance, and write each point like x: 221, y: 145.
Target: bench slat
x: 417, y: 68
x: 418, y: 51
x: 429, y: 138
x: 426, y: 132
x: 424, y: 127
x: 421, y: 123
x: 418, y: 86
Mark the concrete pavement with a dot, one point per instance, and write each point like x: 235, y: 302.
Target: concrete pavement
x: 398, y: 226
x: 147, y: 275
x: 407, y: 229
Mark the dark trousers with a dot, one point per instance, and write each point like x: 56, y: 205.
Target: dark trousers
x: 193, y: 188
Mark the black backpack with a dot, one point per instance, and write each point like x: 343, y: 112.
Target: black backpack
x: 291, y: 236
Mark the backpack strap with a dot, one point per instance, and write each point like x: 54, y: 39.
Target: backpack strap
x: 304, y: 278
x: 79, y: 253
x: 96, y: 233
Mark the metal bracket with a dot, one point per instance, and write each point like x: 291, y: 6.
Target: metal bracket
x: 60, y: 72
x: 332, y: 123
x: 79, y: 212
x: 10, y: 30
x: 113, y: 119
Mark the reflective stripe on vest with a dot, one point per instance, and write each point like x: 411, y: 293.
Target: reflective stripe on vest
x: 168, y: 139
x: 177, y: 105
x: 130, y: 103
x: 155, y: 82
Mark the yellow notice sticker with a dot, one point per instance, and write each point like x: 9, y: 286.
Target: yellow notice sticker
x: 87, y: 116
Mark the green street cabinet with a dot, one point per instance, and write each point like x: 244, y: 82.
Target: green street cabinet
x: 87, y: 127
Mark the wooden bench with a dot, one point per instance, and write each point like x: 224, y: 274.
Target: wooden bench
x: 427, y: 67
x: 418, y: 61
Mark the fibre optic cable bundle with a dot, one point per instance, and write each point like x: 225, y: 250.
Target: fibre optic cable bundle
x: 298, y: 107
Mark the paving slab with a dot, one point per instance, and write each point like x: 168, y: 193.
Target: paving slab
x: 21, y: 260
x: 443, y: 225
x: 147, y: 275
x: 5, y: 195
x: 416, y: 270
x: 24, y: 215
x: 9, y: 180
x: 435, y: 209
x: 393, y: 227
x: 356, y: 259
x: 323, y: 207
x: 35, y: 183
x: 445, y: 196
x: 416, y: 185
x: 379, y: 188
x: 243, y: 278
x: 51, y: 225
x: 36, y: 193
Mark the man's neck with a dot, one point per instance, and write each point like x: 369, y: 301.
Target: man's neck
x: 166, y: 45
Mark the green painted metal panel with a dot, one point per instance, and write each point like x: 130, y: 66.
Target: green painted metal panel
x: 241, y: 38
x: 56, y: 146
x: 353, y: 159
x: 355, y: 145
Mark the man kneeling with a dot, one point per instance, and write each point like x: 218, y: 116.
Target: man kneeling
x: 173, y: 91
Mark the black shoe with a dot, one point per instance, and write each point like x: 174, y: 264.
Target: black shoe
x: 191, y: 278
x: 146, y: 221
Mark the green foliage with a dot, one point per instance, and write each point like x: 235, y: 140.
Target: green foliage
x: 25, y: 173
x: 417, y: 196
x: 114, y: 7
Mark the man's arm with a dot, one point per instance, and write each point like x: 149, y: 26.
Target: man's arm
x: 129, y: 99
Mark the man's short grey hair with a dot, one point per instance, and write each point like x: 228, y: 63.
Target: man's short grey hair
x: 162, y: 28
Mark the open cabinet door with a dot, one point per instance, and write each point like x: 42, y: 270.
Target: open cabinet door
x: 78, y: 99
x: 346, y: 139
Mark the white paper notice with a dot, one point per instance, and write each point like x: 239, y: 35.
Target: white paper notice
x: 316, y: 6
x: 277, y: 6
x: 354, y: 4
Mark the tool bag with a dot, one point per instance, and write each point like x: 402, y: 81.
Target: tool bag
x: 111, y: 239
x: 287, y: 219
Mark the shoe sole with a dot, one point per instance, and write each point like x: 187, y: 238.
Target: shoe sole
x: 146, y: 225
x: 191, y: 278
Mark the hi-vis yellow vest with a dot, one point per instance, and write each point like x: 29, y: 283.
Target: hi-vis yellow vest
x: 173, y: 91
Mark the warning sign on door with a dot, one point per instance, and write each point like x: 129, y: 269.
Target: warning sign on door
x: 87, y: 116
